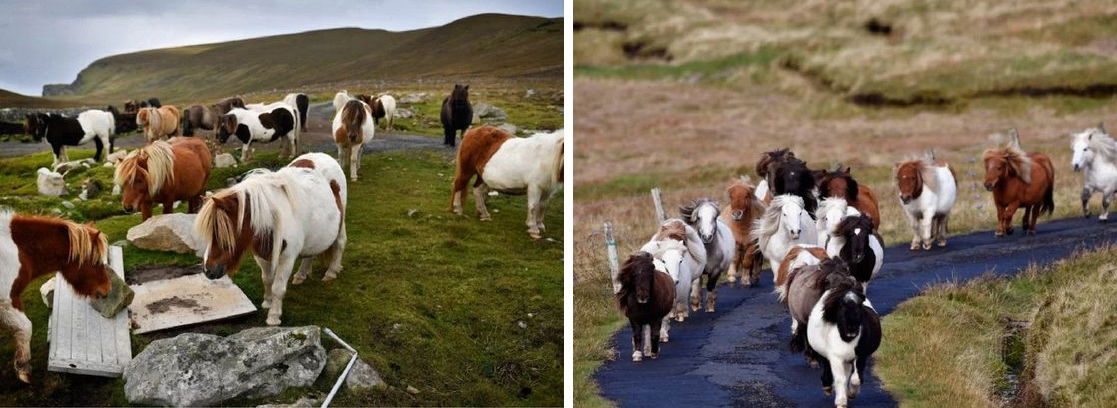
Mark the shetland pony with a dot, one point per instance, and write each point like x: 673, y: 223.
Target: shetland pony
x: 200, y: 117
x: 457, y: 114
x: 803, y: 288
x: 158, y: 122
x: 295, y: 212
x: 34, y: 246
x: 384, y: 107
x: 645, y: 298
x: 352, y: 128
x: 764, y: 168
x: 843, y: 331
x: 857, y: 243
x: 680, y: 252
x: 793, y: 177
x: 1019, y: 180
x: 264, y: 125
x: 799, y: 256
x: 1095, y: 154
x: 510, y: 165
x: 125, y: 121
x: 301, y: 103
x: 702, y: 215
x: 165, y: 172
x: 151, y: 103
x: 92, y: 125
x: 743, y: 209
x: 227, y: 104
x: 830, y: 213
x: 927, y: 189
x: 784, y: 224
x: 840, y: 183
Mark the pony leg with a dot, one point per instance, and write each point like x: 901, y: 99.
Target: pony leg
x: 539, y: 215
x: 1025, y: 221
x: 840, y: 370
x: 20, y: 325
x: 244, y: 153
x: 280, y: 275
x: 654, y: 334
x: 195, y: 204
x: 265, y: 279
x: 1000, y: 220
x: 925, y: 223
x: 304, y: 270
x: 449, y: 136
x: 1104, y: 207
x: 336, y: 251
x: 855, y: 380
x: 145, y: 210
x: 461, y: 179
x: 480, y: 201
x: 738, y: 257
x: 1010, y: 211
x: 941, y: 231
x: 665, y: 329
x: 712, y: 292
x: 1035, y: 218
x: 915, y: 238
x: 637, y: 341
x: 696, y: 294
x: 354, y: 161
x: 99, y: 146
x: 827, y: 374
x: 1086, y: 193
x: 534, y: 193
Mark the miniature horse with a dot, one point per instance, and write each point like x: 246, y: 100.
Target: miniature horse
x: 165, y: 172
x: 264, y: 124
x: 1018, y: 179
x: 784, y: 224
x: 840, y: 183
x: 702, y: 215
x: 295, y: 212
x: 457, y: 114
x: 510, y: 165
x: 352, y: 128
x: 856, y: 242
x: 843, y: 331
x: 793, y: 177
x: 34, y: 246
x: 764, y: 168
x: 301, y: 103
x: 61, y: 131
x: 678, y: 249
x: 646, y: 296
x: 125, y: 121
x: 802, y: 289
x: 927, y: 190
x: 1095, y: 154
x: 743, y: 209
x: 158, y: 122
x: 207, y: 117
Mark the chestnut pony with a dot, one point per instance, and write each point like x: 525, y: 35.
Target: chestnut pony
x: 34, y: 246
x: 165, y: 172
x: 840, y: 183
x: 159, y: 122
x: 743, y: 209
x: 1019, y: 179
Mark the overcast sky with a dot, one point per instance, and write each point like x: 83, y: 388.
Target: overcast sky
x: 49, y: 41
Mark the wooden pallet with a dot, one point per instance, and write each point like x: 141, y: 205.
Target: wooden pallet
x: 81, y: 340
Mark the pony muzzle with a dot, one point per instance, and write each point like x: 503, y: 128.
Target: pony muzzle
x: 737, y: 215
x: 215, y: 272
x: 989, y: 186
x: 1077, y: 167
x: 641, y: 300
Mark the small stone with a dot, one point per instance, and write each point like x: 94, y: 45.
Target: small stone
x: 521, y: 324
x: 411, y: 213
x: 119, y: 297
x: 493, y: 194
x: 224, y: 160
x: 50, y: 183
x: 412, y: 390
x: 508, y: 127
x: 396, y: 326
x: 68, y: 205
x: 530, y: 315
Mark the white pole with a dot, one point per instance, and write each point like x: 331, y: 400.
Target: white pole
x: 611, y: 249
x: 658, y: 199
x: 345, y: 373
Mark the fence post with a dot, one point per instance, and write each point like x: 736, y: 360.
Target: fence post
x: 658, y: 199
x: 611, y: 249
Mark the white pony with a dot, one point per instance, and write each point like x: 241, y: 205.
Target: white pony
x: 704, y: 216
x: 340, y: 99
x: 389, y: 104
x: 295, y: 212
x: 1095, y: 154
x: 927, y: 190
x: 679, y: 249
x: 352, y: 128
x: 282, y: 121
x: 829, y: 214
x: 784, y: 224
x: 532, y: 165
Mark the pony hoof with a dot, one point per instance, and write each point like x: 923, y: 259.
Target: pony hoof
x: 265, y: 304
x: 663, y: 339
x: 942, y: 243
x: 914, y: 247
x: 535, y: 236
x: 680, y: 318
x: 25, y: 377
x: 927, y: 246
x: 654, y: 356
x: 273, y: 321
x: 1010, y: 231
x: 999, y: 234
x: 709, y: 309
x: 329, y: 278
x: 828, y: 390
x: 297, y: 280
x: 637, y: 357
x: 814, y: 364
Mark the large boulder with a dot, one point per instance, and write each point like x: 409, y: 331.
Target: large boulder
x: 362, y: 377
x: 488, y: 113
x: 168, y: 232
x: 50, y: 183
x: 224, y: 160
x: 194, y: 369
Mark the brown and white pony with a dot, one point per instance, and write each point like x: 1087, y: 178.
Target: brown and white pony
x: 743, y: 209
x: 352, y: 128
x: 165, y: 172
x: 510, y: 165
x: 207, y: 116
x: 34, y: 246
x: 840, y: 183
x: 927, y: 190
x: 803, y: 288
x: 1019, y: 179
x: 297, y: 212
x: 158, y: 122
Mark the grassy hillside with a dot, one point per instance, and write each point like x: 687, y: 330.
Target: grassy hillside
x: 9, y: 99
x: 485, y: 45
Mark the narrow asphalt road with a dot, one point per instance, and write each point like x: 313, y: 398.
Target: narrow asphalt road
x: 738, y: 355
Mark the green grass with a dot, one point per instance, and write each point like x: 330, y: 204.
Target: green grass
x: 431, y: 300
x: 947, y: 346
x: 714, y: 69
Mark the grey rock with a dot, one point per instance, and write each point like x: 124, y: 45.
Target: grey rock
x: 412, y: 390
x: 362, y: 376
x: 414, y: 98
x: 167, y: 232
x: 304, y: 402
x: 404, y: 113
x: 194, y: 369
x: 116, y: 156
x: 224, y: 160
x: 68, y: 205
x: 50, y: 183
x: 488, y: 113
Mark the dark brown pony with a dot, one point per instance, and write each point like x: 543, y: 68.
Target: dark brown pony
x: 792, y: 176
x: 1019, y: 180
x: 763, y: 166
x: 47, y: 245
x: 743, y: 209
x: 457, y: 114
x: 374, y: 105
x: 165, y: 172
x: 840, y: 183
x: 646, y: 296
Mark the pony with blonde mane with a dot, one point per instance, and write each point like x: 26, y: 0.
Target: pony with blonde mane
x: 159, y: 122
x: 165, y: 172
x: 743, y: 209
x: 294, y: 213
x: 1019, y: 179
x: 30, y: 248
x: 1095, y: 154
x: 785, y: 223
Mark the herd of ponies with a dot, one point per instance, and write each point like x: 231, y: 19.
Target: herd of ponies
x: 294, y: 213
x: 818, y: 231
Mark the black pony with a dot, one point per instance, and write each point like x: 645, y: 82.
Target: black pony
x: 457, y: 114
x: 792, y: 176
x: 646, y: 296
x: 125, y: 122
x: 151, y: 103
x: 844, y: 309
x: 858, y: 251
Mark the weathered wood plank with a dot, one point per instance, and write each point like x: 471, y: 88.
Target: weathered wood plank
x: 186, y: 300
x: 81, y: 340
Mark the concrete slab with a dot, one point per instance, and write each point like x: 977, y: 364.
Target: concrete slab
x: 185, y: 300
x: 81, y: 340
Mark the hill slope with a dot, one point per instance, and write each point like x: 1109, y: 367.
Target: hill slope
x: 493, y: 45
x: 9, y: 99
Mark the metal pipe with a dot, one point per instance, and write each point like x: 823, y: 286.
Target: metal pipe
x: 337, y: 384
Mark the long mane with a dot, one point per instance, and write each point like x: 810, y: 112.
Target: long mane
x: 1099, y: 141
x: 769, y: 223
x: 84, y: 249
x: 353, y: 114
x: 687, y: 211
x: 160, y: 166
x: 268, y: 201
x: 1016, y: 159
x: 637, y: 264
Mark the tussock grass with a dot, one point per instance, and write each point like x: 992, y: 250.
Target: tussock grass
x: 945, y: 346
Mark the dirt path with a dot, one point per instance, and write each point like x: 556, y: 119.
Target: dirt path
x: 738, y: 355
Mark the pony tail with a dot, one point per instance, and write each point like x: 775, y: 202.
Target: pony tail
x: 558, y: 166
x: 1049, y: 195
